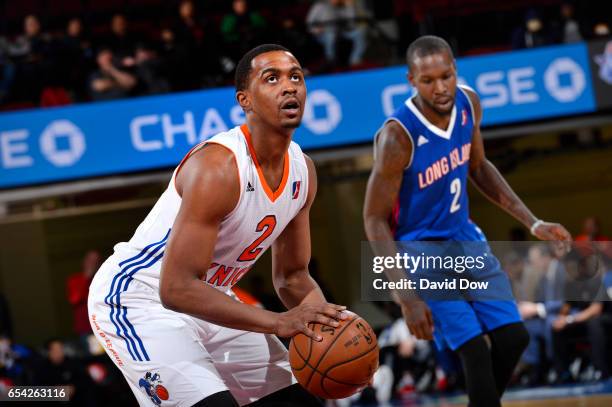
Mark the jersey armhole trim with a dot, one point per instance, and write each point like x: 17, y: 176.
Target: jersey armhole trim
x: 192, y: 151
x: 393, y: 119
x: 307, y: 189
x: 464, y: 89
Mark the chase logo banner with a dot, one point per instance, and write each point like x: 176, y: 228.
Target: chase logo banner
x: 600, y: 55
x: 95, y: 139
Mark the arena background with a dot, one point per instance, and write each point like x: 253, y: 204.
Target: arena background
x: 70, y: 188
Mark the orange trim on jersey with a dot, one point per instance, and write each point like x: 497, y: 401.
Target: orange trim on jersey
x: 271, y: 195
x: 200, y: 145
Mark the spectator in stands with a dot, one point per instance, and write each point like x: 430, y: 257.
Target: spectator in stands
x: 514, y: 265
x: 601, y: 29
x: 32, y: 44
x: 540, y: 315
x: 59, y: 370
x: 109, y: 81
x: 580, y: 317
x: 328, y: 20
x: 567, y: 30
x: 15, y: 366
x: 407, y: 356
x: 198, y: 40
x: 77, y: 57
x: 75, y: 41
x: 531, y: 34
x: 77, y: 290
x: 591, y: 231
x: 150, y: 70
x: 30, y: 52
x: 121, y: 41
x: 296, y: 39
x: 242, y: 29
x: 591, y: 239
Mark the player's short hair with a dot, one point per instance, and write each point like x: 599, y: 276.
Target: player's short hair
x: 426, y: 45
x: 243, y: 69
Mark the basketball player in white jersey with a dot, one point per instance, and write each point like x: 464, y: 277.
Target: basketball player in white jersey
x: 161, y: 305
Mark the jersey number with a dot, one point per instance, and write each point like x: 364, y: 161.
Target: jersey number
x: 266, y: 225
x: 455, y: 188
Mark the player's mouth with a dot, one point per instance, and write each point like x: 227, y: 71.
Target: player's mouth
x: 443, y: 100
x: 291, y: 107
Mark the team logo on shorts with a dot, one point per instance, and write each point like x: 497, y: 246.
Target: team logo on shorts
x: 295, y: 191
x: 152, y: 385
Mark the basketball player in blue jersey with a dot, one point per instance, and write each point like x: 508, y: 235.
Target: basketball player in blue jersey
x: 424, y: 154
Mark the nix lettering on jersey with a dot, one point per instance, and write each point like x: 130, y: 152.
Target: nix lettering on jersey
x: 444, y: 165
x: 225, y: 275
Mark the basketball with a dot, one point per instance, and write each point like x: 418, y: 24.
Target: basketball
x: 341, y: 364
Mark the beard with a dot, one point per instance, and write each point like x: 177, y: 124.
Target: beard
x: 435, y: 108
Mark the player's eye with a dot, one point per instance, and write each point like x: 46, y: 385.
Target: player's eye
x: 296, y: 77
x: 272, y: 79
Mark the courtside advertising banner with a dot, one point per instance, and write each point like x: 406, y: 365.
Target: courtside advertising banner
x: 140, y: 134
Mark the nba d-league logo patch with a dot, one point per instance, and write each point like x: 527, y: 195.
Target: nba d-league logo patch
x: 295, y: 190
x: 464, y: 117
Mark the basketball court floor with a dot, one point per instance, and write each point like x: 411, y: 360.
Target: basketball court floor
x: 580, y: 395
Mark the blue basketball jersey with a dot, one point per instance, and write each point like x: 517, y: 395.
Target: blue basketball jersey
x: 433, y: 202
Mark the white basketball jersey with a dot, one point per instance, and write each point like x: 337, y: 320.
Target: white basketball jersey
x: 244, y: 234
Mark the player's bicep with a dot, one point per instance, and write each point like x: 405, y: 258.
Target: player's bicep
x: 209, y: 185
x: 477, y: 151
x: 393, y: 153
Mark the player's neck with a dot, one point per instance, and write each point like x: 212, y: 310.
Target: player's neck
x: 440, y: 120
x: 270, y: 145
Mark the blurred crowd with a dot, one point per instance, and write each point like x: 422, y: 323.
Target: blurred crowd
x: 192, y: 45
x: 564, y: 299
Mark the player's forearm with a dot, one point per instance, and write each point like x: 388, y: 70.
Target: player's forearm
x: 209, y: 304
x: 493, y: 185
x: 297, y: 287
x: 378, y: 231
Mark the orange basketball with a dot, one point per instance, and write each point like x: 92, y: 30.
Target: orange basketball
x: 341, y: 364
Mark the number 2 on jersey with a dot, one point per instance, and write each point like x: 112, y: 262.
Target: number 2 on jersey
x: 266, y: 225
x: 455, y: 189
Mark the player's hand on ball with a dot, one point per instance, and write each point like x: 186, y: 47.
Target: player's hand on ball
x: 418, y: 318
x: 296, y: 320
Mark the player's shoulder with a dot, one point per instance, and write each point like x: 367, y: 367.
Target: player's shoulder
x: 394, y: 133
x: 471, y: 94
x: 209, y: 164
x: 309, y: 163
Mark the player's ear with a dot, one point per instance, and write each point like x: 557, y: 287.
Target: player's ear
x: 410, y: 78
x: 243, y: 100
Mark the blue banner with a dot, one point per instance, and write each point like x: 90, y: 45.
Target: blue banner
x: 140, y: 134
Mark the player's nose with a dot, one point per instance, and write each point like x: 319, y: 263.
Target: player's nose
x: 439, y: 86
x: 289, y: 88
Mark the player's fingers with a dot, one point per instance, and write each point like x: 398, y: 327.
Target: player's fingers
x: 325, y: 320
x: 310, y: 333
x: 430, y: 320
x: 416, y: 330
x: 426, y: 329
x: 334, y: 311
